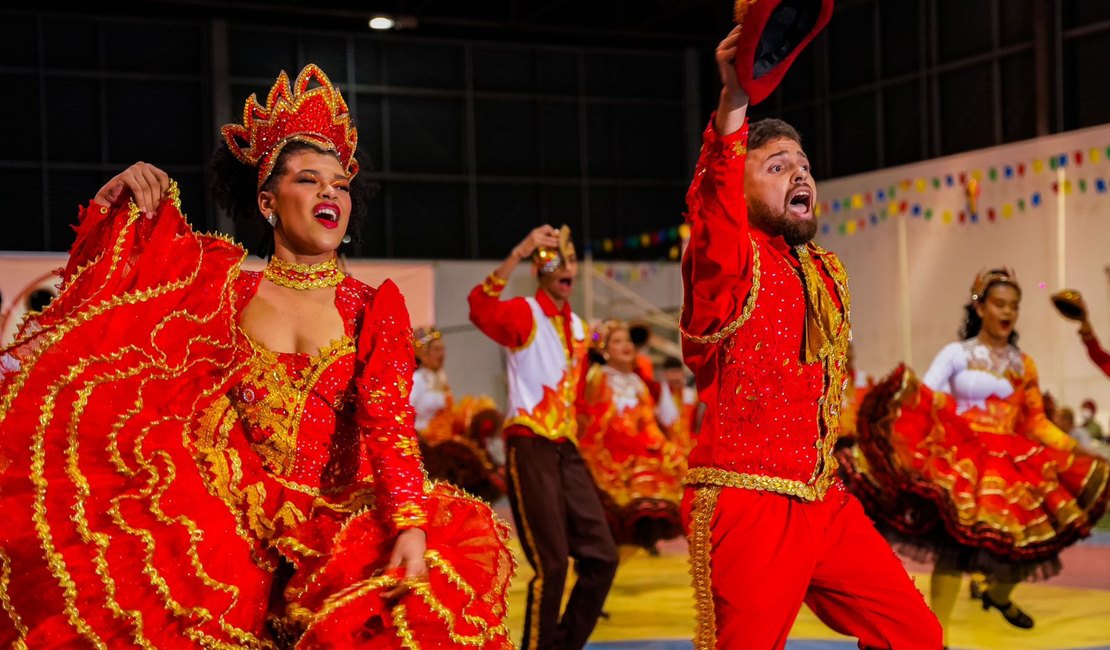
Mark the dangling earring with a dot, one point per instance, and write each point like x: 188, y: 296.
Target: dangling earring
x: 272, y: 220
x: 346, y: 239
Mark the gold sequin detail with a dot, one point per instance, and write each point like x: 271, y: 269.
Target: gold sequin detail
x: 279, y: 399
x: 303, y: 276
x: 701, y: 568
x: 5, y: 577
x: 703, y: 476
x: 749, y: 305
x: 493, y: 285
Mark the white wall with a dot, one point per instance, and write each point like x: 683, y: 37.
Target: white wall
x: 943, y: 258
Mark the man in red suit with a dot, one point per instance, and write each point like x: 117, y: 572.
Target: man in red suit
x: 766, y: 328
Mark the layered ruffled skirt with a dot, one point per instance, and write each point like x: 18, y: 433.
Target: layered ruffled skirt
x: 1001, y: 503
x: 114, y: 535
x: 455, y: 450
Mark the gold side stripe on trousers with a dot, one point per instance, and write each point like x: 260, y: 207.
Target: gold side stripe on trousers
x: 701, y: 570
x: 537, y: 582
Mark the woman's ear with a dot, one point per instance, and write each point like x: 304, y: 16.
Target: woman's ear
x: 266, y: 202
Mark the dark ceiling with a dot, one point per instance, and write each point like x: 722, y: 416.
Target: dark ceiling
x: 624, y: 23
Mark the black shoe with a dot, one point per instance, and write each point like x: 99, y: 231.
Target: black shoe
x: 977, y: 588
x: 1011, y: 612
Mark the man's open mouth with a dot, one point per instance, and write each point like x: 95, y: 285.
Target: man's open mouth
x: 800, y: 202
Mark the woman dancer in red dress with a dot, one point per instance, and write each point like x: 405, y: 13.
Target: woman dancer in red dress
x: 964, y: 468
x: 638, y: 470
x: 192, y: 454
x: 454, y: 435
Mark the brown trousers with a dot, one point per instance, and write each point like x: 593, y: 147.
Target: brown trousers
x: 558, y: 516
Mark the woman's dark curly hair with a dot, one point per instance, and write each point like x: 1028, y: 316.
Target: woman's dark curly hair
x: 235, y: 188
x: 973, y: 323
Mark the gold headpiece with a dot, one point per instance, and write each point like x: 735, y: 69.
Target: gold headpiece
x: 599, y: 338
x: 985, y: 278
x: 293, y: 112
x: 547, y: 260
x: 424, y: 336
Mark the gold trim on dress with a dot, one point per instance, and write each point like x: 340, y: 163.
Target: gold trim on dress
x: 5, y: 599
x: 279, y: 412
x: 749, y: 305
x: 156, y: 485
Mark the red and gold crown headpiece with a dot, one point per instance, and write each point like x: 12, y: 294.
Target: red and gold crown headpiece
x: 986, y: 278
x: 294, y: 112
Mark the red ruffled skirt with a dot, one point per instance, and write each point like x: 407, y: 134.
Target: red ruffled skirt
x: 454, y: 448
x: 112, y: 536
x: 1001, y: 503
x: 639, y: 482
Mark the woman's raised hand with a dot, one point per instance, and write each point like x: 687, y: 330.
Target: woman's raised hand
x: 145, y: 182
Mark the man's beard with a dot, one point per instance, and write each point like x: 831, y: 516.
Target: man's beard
x: 795, y: 231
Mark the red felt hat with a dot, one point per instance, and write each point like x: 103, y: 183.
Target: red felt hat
x: 774, y: 32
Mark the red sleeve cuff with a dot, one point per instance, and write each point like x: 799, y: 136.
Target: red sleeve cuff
x: 732, y: 145
x: 493, y: 285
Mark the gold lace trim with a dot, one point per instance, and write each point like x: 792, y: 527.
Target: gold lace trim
x: 303, y: 276
x: 702, y: 476
x: 701, y: 569
x: 493, y: 285
x: 749, y: 305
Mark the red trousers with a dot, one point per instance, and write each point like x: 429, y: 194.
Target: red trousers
x: 757, y: 556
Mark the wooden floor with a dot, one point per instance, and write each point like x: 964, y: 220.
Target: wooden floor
x: 651, y: 606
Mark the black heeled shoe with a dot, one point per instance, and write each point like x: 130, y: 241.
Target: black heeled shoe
x: 977, y: 588
x: 1013, y: 614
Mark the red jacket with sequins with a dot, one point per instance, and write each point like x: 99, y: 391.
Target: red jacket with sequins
x: 750, y: 303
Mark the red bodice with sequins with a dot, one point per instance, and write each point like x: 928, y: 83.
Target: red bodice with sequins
x: 296, y: 414
x: 295, y: 409
x: 772, y: 414
x: 762, y: 387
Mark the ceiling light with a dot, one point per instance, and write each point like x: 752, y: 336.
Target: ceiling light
x: 382, y: 22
